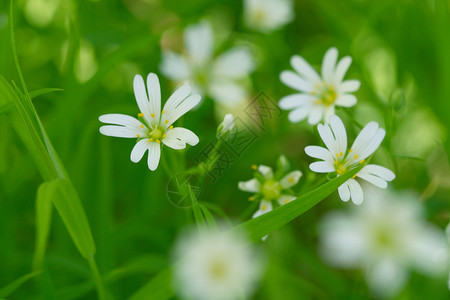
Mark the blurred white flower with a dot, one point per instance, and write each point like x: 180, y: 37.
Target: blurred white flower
x: 153, y: 126
x: 337, y: 159
x: 268, y: 15
x: 447, y: 231
x: 386, y: 236
x: 220, y: 76
x: 226, y: 126
x: 214, y: 264
x: 318, y: 94
x: 268, y: 187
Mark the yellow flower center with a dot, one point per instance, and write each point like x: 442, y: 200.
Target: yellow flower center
x: 271, y: 190
x: 326, y: 95
x: 157, y: 133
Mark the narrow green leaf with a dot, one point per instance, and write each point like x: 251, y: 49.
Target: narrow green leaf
x: 208, y: 216
x: 159, y: 288
x: 69, y: 207
x: 4, y: 108
x: 10, y: 288
x: 41, y: 92
x: 43, y: 220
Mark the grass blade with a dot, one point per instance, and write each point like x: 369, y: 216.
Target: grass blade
x: 41, y: 92
x: 68, y: 205
x: 10, y: 288
x: 43, y: 221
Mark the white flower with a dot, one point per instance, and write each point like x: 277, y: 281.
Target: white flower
x: 386, y: 236
x: 154, y: 126
x: 337, y: 159
x: 268, y: 187
x: 268, y: 15
x: 318, y: 95
x: 213, y: 264
x: 218, y: 77
x: 227, y: 125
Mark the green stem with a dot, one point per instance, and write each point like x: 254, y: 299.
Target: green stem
x: 97, y: 278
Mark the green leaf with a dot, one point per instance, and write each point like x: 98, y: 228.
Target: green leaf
x: 4, y: 108
x: 208, y: 216
x: 43, y: 220
x: 69, y: 207
x: 41, y: 92
x: 160, y: 287
x: 10, y: 288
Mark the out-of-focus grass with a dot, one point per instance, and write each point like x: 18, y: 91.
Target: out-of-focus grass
x: 92, y: 49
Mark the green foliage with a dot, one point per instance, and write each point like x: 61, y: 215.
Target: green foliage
x: 51, y: 154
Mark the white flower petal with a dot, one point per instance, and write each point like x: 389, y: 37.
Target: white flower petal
x: 141, y: 96
x: 290, y: 179
x: 366, y: 149
x: 328, y: 138
x: 299, y: 114
x: 119, y: 119
x: 341, y: 69
x: 295, y: 100
x: 251, y: 186
x: 264, y: 207
x: 304, y: 69
x: 285, y: 199
x: 368, y: 140
x: 329, y: 112
x: 321, y: 167
x: 154, y: 93
x: 266, y: 171
x: 356, y: 191
x: 235, y: 63
x: 177, y: 97
x: 186, y: 105
x: 319, y: 152
x: 199, y: 42
x: 344, y: 192
x: 340, y: 134
x: 178, y: 137
x: 349, y: 86
x: 328, y: 64
x: 119, y: 131
x: 139, y: 150
x: 294, y: 81
x: 154, y: 153
x: 227, y: 92
x: 346, y: 100
x: 386, y: 277
x: 174, y: 66
x: 377, y: 175
x: 315, y: 115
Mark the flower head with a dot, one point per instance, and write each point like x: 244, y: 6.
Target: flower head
x: 337, y: 158
x: 268, y: 15
x: 213, y: 264
x: 319, y: 95
x: 268, y: 187
x: 386, y: 236
x: 153, y: 126
x: 220, y: 76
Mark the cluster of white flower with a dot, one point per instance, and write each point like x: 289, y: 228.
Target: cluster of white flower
x: 384, y: 236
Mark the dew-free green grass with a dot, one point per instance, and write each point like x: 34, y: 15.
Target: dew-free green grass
x: 79, y: 220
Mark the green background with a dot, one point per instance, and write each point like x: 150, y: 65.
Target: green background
x: 93, y: 49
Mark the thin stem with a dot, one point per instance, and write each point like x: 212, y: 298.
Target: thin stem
x: 98, y: 279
